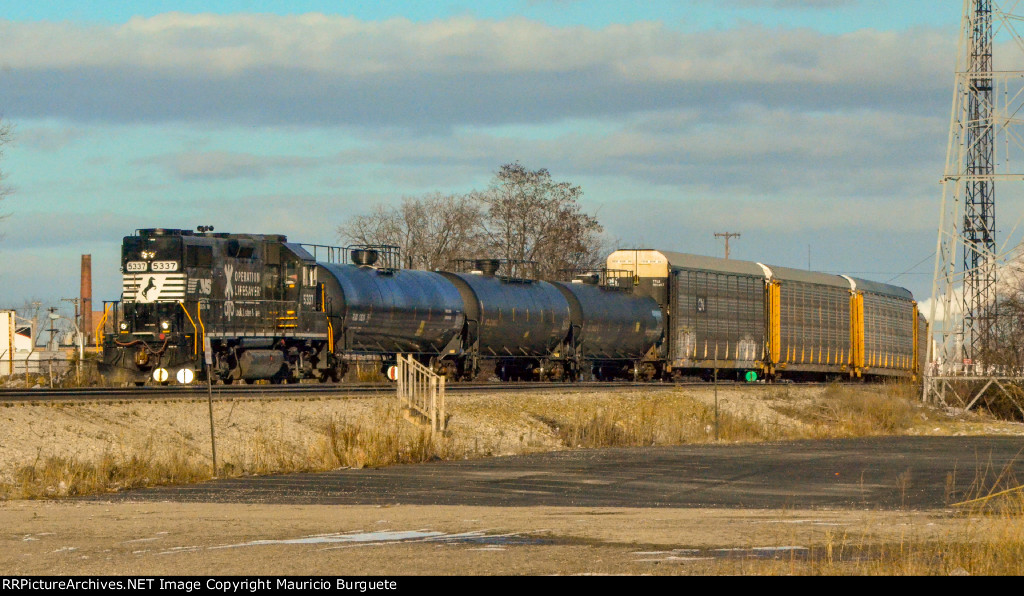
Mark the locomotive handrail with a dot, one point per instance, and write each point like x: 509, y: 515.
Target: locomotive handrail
x: 195, y: 347
x: 99, y: 328
x: 199, y: 315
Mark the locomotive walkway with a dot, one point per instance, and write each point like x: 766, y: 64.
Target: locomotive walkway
x: 873, y: 473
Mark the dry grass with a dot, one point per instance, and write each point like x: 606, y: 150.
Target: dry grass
x: 66, y: 477
x: 989, y: 542
x: 647, y: 420
x: 842, y: 411
x: 330, y: 443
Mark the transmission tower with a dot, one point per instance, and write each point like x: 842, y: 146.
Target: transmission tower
x: 979, y: 225
x: 984, y: 126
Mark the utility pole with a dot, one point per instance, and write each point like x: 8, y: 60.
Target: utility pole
x: 50, y: 345
x: 727, y: 235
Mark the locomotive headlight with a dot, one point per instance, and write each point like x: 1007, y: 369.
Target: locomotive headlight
x: 165, y: 325
x: 124, y: 326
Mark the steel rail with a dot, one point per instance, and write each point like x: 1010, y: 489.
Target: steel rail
x: 300, y: 390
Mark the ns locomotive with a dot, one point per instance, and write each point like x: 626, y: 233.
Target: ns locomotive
x: 241, y: 307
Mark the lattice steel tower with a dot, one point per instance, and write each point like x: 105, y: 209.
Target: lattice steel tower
x: 979, y: 224
x: 984, y: 133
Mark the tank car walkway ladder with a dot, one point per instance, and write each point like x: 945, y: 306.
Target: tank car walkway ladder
x: 421, y: 392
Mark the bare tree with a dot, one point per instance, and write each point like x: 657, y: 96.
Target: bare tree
x: 523, y: 216
x: 528, y: 216
x: 430, y: 230
x: 1006, y: 346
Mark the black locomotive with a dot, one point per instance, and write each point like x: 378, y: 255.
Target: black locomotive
x: 241, y: 307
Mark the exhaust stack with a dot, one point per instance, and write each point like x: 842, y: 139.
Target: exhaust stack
x: 86, y: 298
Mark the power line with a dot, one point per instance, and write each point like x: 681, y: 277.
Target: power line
x: 915, y: 266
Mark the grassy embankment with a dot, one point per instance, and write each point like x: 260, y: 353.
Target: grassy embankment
x: 481, y: 427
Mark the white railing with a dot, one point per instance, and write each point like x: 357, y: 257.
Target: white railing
x: 422, y: 391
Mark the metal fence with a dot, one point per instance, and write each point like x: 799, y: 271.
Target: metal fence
x: 422, y: 391
x: 47, y: 370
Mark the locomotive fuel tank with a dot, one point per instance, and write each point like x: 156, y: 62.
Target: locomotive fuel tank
x: 512, y: 317
x: 613, y: 324
x: 391, y: 311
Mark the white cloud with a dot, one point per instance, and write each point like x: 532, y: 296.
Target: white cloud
x: 44, y: 138
x: 212, y: 165
x: 316, y: 69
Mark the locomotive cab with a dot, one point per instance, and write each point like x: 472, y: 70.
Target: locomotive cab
x: 151, y: 340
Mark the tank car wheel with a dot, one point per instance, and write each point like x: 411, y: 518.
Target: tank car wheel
x: 250, y: 381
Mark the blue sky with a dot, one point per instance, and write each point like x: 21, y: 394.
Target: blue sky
x: 802, y: 124
x: 823, y: 15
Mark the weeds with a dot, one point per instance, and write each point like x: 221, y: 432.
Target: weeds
x: 67, y: 477
x: 646, y: 420
x: 846, y: 412
x: 326, y: 443
x: 356, y: 446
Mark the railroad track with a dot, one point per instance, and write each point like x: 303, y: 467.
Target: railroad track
x: 309, y: 389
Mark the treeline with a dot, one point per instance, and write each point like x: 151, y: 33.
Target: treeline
x: 524, y: 216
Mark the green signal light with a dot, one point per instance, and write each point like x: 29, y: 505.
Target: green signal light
x: 751, y: 376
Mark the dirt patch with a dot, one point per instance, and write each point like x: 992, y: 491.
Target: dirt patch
x: 168, y: 538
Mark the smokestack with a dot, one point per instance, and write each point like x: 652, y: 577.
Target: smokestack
x: 86, y: 298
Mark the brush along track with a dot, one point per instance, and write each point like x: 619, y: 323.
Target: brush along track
x: 312, y: 390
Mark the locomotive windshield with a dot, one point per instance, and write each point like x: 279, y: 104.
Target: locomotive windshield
x: 158, y: 248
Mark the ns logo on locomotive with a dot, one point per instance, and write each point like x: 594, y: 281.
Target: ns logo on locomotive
x: 248, y: 307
